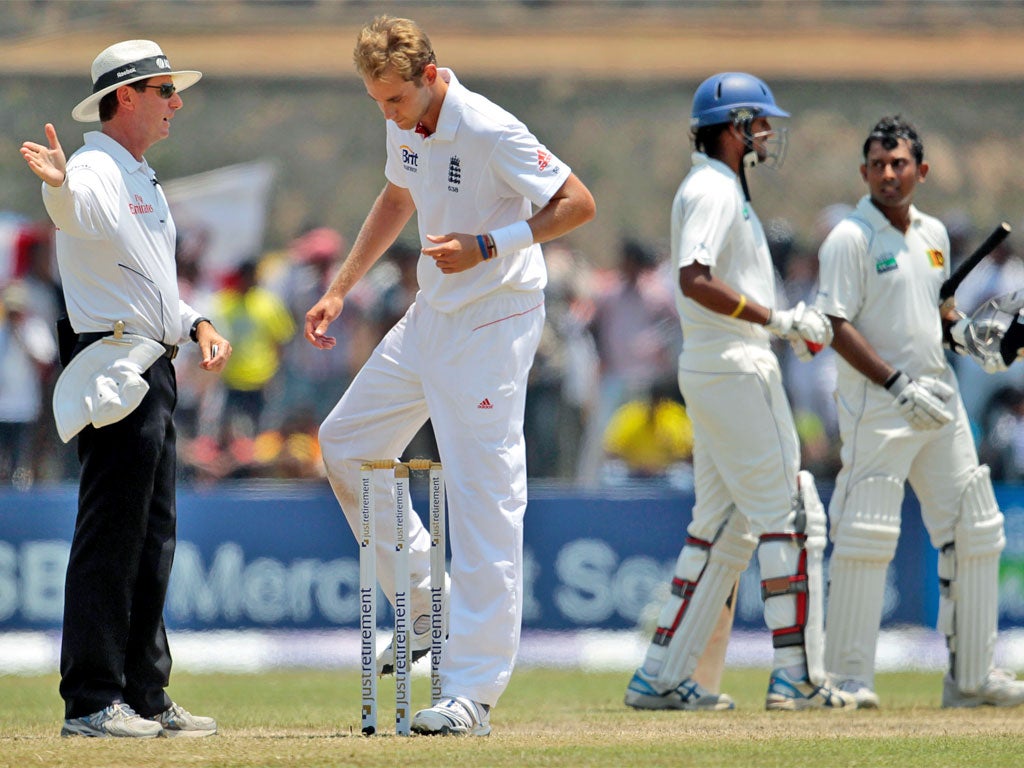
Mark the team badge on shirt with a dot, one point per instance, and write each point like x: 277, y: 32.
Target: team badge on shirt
x: 886, y: 263
x: 936, y: 257
x: 454, y: 174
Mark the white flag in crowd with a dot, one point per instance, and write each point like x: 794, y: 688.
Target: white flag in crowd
x: 226, y: 208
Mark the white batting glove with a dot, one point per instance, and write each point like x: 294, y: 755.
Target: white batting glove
x: 923, y: 402
x: 807, y: 328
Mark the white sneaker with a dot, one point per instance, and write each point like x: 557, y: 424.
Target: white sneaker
x: 789, y: 694
x: 118, y: 720
x: 456, y: 716
x: 419, y: 637
x: 641, y: 693
x: 862, y: 694
x: 419, y: 646
x: 178, y: 721
x: 1000, y: 689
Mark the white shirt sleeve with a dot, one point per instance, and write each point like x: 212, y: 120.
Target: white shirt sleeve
x: 188, y: 316
x: 528, y: 167
x: 705, y: 226
x: 840, y: 273
x: 86, y: 204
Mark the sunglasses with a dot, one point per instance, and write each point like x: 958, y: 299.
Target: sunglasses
x: 166, y: 89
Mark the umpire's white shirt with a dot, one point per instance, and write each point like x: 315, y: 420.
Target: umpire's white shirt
x: 480, y: 170
x: 115, y: 244
x: 714, y: 225
x: 886, y: 283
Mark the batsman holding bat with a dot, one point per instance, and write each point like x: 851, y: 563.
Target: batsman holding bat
x: 750, y: 494
x: 901, y: 418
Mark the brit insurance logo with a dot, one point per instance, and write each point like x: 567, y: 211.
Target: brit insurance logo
x: 454, y: 174
x: 410, y: 159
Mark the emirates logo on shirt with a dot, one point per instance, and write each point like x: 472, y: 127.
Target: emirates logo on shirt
x: 139, y: 206
x: 543, y: 159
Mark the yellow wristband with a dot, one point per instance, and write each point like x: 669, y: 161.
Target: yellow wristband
x: 739, y: 307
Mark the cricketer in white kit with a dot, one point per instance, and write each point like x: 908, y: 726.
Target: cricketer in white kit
x: 901, y: 418
x: 750, y: 493
x: 472, y: 173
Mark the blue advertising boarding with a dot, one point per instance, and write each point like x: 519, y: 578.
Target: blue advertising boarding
x: 282, y: 556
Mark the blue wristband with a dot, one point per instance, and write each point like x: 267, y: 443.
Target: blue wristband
x: 483, y: 247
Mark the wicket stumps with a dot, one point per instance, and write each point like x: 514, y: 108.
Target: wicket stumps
x: 368, y: 587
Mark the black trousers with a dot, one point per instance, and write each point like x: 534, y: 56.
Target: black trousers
x: 114, y: 645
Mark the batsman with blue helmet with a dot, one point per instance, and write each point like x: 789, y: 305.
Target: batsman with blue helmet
x: 750, y: 493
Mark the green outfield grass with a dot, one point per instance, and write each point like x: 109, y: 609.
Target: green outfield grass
x: 558, y: 718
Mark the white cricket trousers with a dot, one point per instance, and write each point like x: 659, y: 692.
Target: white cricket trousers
x: 746, y: 452
x: 466, y: 371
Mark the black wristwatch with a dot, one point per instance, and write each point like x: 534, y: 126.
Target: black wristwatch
x: 192, y: 330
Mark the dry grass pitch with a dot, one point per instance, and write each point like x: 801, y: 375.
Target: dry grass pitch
x: 564, y: 718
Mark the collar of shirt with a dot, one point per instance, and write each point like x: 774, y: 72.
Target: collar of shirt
x: 877, y: 219
x: 121, y: 155
x: 699, y: 158
x: 451, y: 109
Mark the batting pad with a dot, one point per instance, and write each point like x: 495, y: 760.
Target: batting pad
x: 697, y: 625
x: 729, y: 557
x: 865, y: 537
x: 855, y: 596
x: 973, y: 589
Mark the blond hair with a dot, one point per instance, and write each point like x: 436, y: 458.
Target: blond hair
x: 393, y: 44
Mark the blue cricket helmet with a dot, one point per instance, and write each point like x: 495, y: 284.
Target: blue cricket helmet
x: 728, y: 96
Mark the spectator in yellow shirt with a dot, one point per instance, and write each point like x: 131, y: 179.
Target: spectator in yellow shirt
x: 262, y: 325
x: 652, y: 434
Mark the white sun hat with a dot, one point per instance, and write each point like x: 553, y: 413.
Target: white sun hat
x: 124, y: 63
x: 103, y: 383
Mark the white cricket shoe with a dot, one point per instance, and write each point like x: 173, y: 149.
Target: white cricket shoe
x: 117, y: 720
x: 689, y: 695
x: 419, y: 646
x: 789, y: 694
x: 455, y: 716
x: 862, y: 694
x: 178, y: 721
x: 419, y: 637
x: 1000, y: 689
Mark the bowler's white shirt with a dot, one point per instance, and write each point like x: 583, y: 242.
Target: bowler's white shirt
x: 115, y: 244
x: 713, y: 225
x: 480, y: 170
x: 886, y: 283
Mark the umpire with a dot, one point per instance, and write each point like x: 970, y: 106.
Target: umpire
x: 115, y: 251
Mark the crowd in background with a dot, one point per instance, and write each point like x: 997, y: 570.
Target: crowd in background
x: 603, y: 406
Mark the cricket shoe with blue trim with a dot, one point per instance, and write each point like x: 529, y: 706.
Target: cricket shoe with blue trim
x: 789, y: 694
x: 689, y: 695
x: 453, y: 716
x: 117, y: 720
